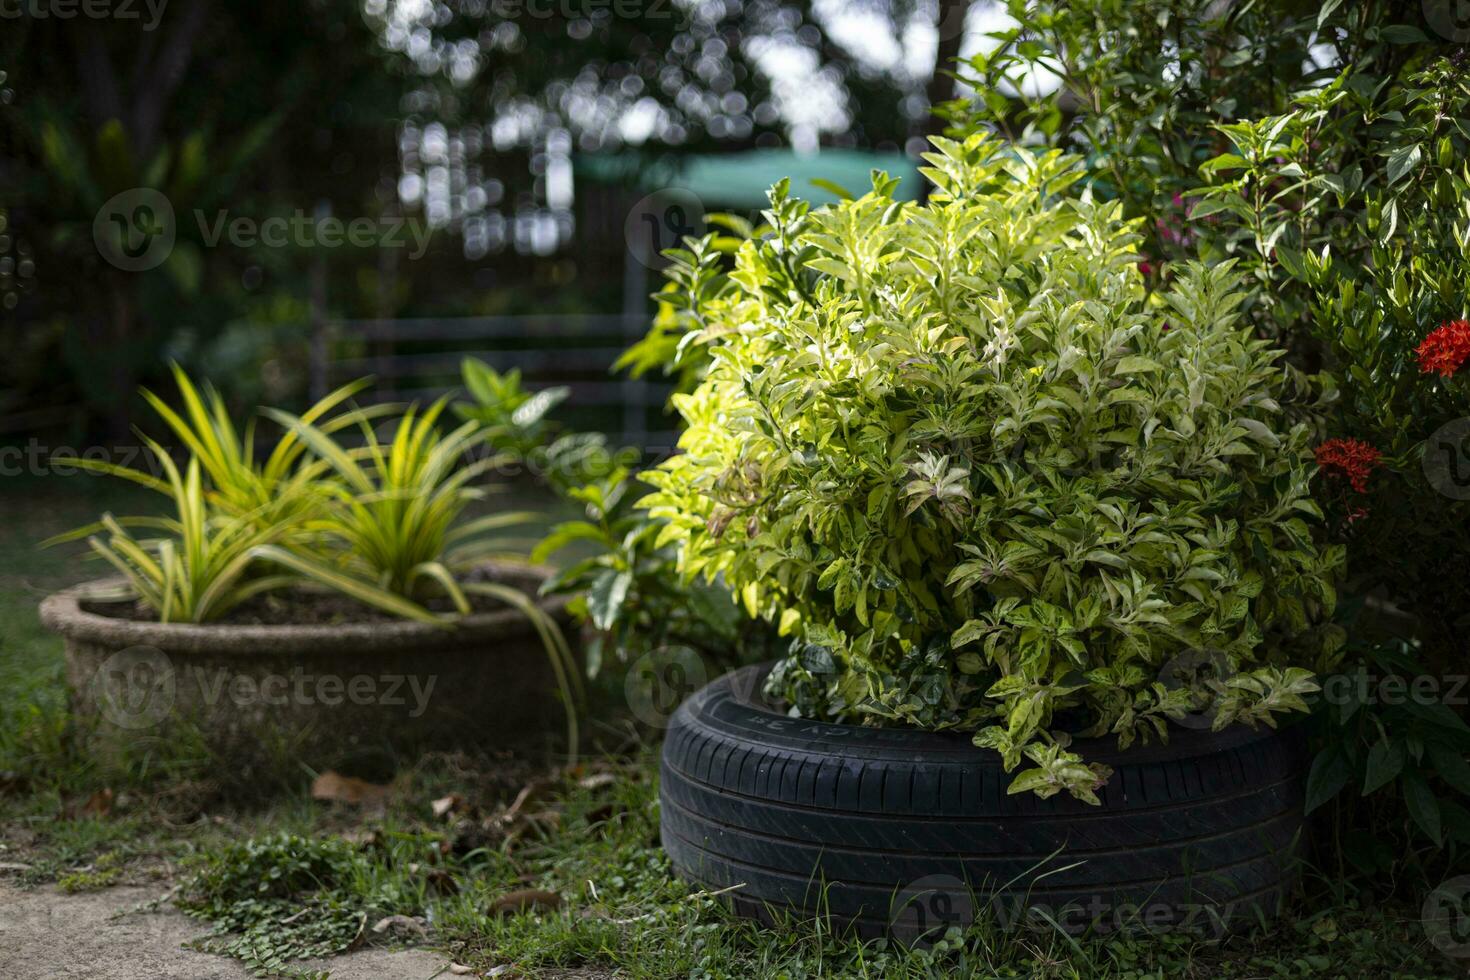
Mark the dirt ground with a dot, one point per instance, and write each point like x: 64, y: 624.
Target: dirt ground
x: 48, y: 935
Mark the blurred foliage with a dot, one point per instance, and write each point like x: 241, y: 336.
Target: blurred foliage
x: 694, y: 69
x: 217, y: 107
x: 328, y: 104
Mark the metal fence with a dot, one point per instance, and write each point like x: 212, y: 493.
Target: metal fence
x: 420, y: 359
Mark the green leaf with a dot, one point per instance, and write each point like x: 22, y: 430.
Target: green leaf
x: 1422, y: 804
x: 605, y: 597
x: 1403, y: 34
x: 1385, y: 762
x: 831, y: 187
x: 1402, y: 160
x: 1451, y: 766
x: 1135, y: 364
x: 1330, y: 772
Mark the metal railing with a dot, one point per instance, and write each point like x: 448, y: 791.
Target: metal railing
x: 419, y: 358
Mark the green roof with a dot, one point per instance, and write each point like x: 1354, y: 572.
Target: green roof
x: 740, y: 180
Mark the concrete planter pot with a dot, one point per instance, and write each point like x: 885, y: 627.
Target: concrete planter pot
x: 360, y: 697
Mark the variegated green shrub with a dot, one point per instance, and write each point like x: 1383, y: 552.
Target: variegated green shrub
x: 984, y: 480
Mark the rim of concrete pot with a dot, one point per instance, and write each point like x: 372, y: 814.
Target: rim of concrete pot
x: 71, y: 613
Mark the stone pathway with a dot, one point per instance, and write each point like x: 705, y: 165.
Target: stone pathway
x: 47, y: 935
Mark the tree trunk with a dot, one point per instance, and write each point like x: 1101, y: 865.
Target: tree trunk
x: 941, y: 87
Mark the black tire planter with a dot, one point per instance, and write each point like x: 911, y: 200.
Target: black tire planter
x: 895, y: 831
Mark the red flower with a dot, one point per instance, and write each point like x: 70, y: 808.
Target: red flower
x: 1446, y: 349
x: 1350, y: 458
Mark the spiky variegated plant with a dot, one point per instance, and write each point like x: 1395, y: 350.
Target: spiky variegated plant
x: 381, y: 524
x: 986, y: 482
x: 200, y: 566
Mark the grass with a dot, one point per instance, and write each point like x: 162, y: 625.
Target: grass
x: 579, y: 856
x: 33, y: 712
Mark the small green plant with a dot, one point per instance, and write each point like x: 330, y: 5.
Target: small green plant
x: 625, y: 586
x: 264, y: 490
x: 102, y: 873
x: 510, y: 418
x: 985, y: 481
x: 278, y: 899
x: 628, y: 588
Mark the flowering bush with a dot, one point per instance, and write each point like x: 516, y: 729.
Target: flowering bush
x: 1323, y: 147
x: 984, y: 481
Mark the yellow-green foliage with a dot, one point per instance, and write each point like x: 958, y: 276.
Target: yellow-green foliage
x: 980, y: 476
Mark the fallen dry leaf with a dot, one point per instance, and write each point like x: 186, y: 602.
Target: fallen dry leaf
x: 401, y: 923
x: 460, y: 970
x: 441, y: 882
x: 99, y: 804
x: 453, y: 803
x: 363, y: 837
x: 526, y: 900
x: 527, y: 792
x: 337, y: 788
x: 597, y: 780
